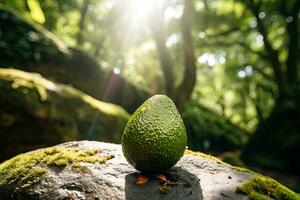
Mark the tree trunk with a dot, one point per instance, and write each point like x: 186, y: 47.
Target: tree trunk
x: 157, y: 28
x: 258, y: 110
x: 184, y: 90
x: 293, y: 46
x: 189, y: 79
x: 83, y: 13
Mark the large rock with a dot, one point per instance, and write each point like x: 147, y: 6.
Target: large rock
x: 36, y: 112
x: 97, y: 170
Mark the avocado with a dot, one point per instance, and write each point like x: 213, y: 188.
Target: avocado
x: 155, y: 137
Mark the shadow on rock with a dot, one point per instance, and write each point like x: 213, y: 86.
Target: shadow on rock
x: 184, y: 186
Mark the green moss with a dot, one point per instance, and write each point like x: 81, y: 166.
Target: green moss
x: 76, y: 167
x: 262, y: 188
x: 35, y: 175
x: 27, y: 80
x: 34, y: 81
x: 203, y: 155
x: 104, y: 107
x: 27, y: 169
x: 245, y: 170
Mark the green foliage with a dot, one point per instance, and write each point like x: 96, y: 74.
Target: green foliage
x: 225, y: 30
x: 35, y: 11
x: 27, y: 169
x: 209, y: 131
x: 50, y: 57
x: 263, y: 188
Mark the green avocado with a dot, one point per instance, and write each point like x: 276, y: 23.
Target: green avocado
x: 155, y: 137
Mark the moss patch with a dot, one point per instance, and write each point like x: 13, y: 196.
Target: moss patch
x: 76, y: 167
x: 34, y: 81
x: 203, y: 155
x: 245, y: 170
x: 35, y: 175
x: 261, y: 188
x: 27, y: 169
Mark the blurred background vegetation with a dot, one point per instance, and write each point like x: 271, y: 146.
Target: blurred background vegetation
x: 77, y: 69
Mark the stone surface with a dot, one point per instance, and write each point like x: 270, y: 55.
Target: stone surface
x: 198, y: 177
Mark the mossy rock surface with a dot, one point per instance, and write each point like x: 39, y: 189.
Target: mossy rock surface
x: 97, y: 170
x: 261, y: 188
x: 24, y: 43
x: 36, y: 112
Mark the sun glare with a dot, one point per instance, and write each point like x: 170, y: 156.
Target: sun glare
x: 141, y: 9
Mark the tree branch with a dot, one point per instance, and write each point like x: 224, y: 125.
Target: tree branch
x: 259, y: 112
x: 267, y: 89
x: 224, y: 33
x: 248, y: 48
x: 267, y: 76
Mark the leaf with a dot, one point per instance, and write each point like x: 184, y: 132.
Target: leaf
x: 141, y: 179
x: 161, y: 177
x: 36, y: 11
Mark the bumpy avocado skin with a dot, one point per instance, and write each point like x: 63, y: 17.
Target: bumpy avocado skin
x: 155, y: 136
